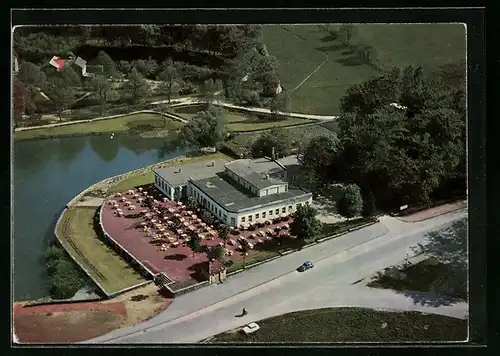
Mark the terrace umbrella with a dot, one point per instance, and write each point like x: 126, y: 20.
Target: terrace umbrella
x: 189, y: 212
x: 118, y: 194
x: 140, y: 189
x: 194, y: 216
x: 177, y: 215
x: 165, y: 199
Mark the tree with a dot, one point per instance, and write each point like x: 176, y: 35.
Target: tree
x: 104, y: 61
x: 270, y: 82
x: 61, y: 93
x: 137, y: 86
x: 194, y: 244
x: 31, y: 74
x: 223, y: 233
x: 280, y: 104
x: 147, y: 67
x: 277, y: 139
x: 305, y: 225
x: 20, y: 99
x: 320, y: 157
x: 208, y: 91
x: 65, y: 280
x: 206, y: 129
x: 369, y: 206
x: 101, y: 88
x: 351, y: 204
x: 403, y: 155
x: 368, y: 54
x: 347, y: 33
x: 215, y: 253
x: 169, y: 76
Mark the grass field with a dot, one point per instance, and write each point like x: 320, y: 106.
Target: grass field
x: 243, y: 122
x: 241, y: 144
x: 429, y: 45
x: 145, y: 176
x: 121, y: 124
x: 82, y: 243
x: 351, y: 325
x: 297, y: 58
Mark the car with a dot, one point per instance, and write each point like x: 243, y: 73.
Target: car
x: 305, y: 266
x: 251, y: 328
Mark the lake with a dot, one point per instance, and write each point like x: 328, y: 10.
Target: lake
x: 48, y: 173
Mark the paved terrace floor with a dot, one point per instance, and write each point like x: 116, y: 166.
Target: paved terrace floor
x: 160, y: 254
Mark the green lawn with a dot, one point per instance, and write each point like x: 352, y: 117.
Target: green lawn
x: 351, y: 325
x: 253, y: 257
x: 429, y: 45
x: 297, y: 58
x: 82, y: 243
x: 142, y: 121
x: 143, y: 177
x: 243, y: 122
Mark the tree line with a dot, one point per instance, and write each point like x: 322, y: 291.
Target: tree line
x: 222, y: 40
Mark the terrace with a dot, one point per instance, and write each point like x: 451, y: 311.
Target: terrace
x: 156, y: 232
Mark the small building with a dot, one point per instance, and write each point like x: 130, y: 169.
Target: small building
x: 214, y: 271
x: 172, y: 181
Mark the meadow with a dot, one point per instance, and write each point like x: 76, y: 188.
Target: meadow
x: 299, y: 49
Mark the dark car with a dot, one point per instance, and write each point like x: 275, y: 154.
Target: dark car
x: 305, y: 266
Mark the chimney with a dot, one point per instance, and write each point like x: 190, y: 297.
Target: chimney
x: 180, y: 170
x: 267, y: 176
x: 213, y: 163
x: 273, y: 154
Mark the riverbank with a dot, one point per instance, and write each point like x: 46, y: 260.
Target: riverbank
x: 78, y: 234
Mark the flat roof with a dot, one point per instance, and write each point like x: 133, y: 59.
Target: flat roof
x: 195, y: 170
x: 255, y: 171
x: 234, y: 199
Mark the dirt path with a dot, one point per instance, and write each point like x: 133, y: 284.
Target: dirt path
x: 75, y: 322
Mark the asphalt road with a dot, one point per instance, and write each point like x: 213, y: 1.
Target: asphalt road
x: 275, y: 288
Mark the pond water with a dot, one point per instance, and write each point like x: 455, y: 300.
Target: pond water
x: 50, y: 172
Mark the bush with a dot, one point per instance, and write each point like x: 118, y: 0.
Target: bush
x: 64, y: 276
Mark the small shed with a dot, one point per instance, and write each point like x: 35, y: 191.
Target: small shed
x: 214, y: 271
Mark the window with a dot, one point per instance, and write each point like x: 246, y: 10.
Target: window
x: 224, y: 217
x: 263, y: 214
x: 289, y: 208
x: 277, y: 211
x: 243, y: 219
x: 307, y: 203
x: 299, y: 205
x: 286, y: 188
x: 250, y: 217
x: 257, y: 216
x: 270, y: 212
x: 283, y: 210
x: 233, y: 221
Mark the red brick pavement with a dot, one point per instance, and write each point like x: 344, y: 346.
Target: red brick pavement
x: 178, y: 263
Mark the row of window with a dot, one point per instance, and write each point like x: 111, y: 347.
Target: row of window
x: 270, y: 213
